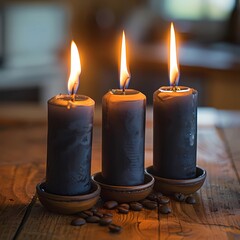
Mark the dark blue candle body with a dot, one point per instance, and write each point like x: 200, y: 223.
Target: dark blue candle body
x: 175, y: 133
x: 123, y: 137
x: 69, y: 145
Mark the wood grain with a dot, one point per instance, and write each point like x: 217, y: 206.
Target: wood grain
x: 45, y: 225
x: 17, y: 189
x: 215, y: 216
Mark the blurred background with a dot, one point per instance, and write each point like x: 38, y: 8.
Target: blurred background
x: 35, y: 47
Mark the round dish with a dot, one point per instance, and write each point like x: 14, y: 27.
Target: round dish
x: 68, y: 204
x: 185, y: 186
x: 124, y: 193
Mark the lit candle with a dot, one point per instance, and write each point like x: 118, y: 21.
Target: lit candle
x: 69, y: 146
x: 123, y: 131
x: 175, y: 125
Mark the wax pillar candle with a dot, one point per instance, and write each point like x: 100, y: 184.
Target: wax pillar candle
x: 69, y: 144
x: 123, y: 131
x: 123, y: 137
x: 175, y: 126
x: 70, y: 122
x: 175, y: 132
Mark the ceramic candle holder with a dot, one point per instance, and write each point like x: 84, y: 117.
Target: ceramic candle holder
x: 186, y: 186
x: 123, y: 194
x: 68, y: 204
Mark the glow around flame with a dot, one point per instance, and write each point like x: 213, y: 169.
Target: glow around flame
x: 124, y: 74
x: 173, y: 68
x: 73, y: 80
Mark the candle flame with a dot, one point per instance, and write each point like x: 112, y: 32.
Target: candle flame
x: 124, y: 74
x: 73, y: 80
x: 173, y: 69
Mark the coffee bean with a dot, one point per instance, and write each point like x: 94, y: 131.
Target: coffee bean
x: 82, y: 215
x: 180, y: 197
x: 110, y: 204
x: 158, y: 194
x: 123, y: 210
x: 136, y: 206
x: 93, y: 219
x: 150, y: 204
x: 114, y: 228
x: 105, y: 221
x: 152, y: 197
x: 164, y: 209
x: 98, y: 214
x: 78, y: 222
x: 163, y: 200
x: 94, y: 209
x: 88, y: 212
x: 107, y: 215
x: 124, y: 205
x: 190, y: 200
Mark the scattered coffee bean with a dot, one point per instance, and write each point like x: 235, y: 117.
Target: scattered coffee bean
x: 94, y: 209
x: 190, y: 200
x: 114, y: 228
x: 164, y: 209
x: 82, y: 215
x: 152, y: 197
x: 136, y: 206
x: 93, y: 219
x: 124, y: 205
x: 150, y: 204
x: 180, y: 197
x: 78, y: 221
x: 88, y: 212
x: 98, y: 214
x: 107, y: 215
x: 158, y: 194
x: 105, y: 221
x: 123, y: 210
x: 163, y: 200
x: 110, y: 204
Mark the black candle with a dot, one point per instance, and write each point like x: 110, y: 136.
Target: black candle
x: 69, y: 146
x: 175, y: 126
x: 123, y: 132
x: 175, y: 133
x: 123, y: 137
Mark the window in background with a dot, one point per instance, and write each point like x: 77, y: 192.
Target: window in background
x: 198, y: 9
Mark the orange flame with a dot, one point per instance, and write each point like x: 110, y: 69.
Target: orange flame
x: 124, y: 74
x: 73, y: 80
x: 173, y: 69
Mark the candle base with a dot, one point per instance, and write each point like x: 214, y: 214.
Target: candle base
x: 185, y: 186
x: 123, y: 194
x: 68, y: 204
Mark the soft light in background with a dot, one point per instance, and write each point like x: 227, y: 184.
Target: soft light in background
x: 35, y: 45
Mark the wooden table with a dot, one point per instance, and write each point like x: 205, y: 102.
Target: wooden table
x: 22, y: 165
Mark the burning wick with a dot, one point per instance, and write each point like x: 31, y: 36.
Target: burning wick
x: 124, y: 74
x: 73, y: 81
x: 173, y: 63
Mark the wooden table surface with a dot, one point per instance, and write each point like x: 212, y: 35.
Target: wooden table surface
x: 216, y: 215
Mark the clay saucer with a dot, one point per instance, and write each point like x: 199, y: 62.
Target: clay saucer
x: 185, y: 186
x: 124, y: 193
x: 68, y: 204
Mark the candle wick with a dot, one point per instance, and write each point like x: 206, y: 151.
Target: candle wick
x: 73, y: 96
x: 175, y: 88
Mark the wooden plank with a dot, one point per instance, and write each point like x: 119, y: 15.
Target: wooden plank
x: 44, y: 225
x: 23, y: 144
x: 17, y: 188
x: 216, y: 214
x: 231, y: 138
x: 220, y: 206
